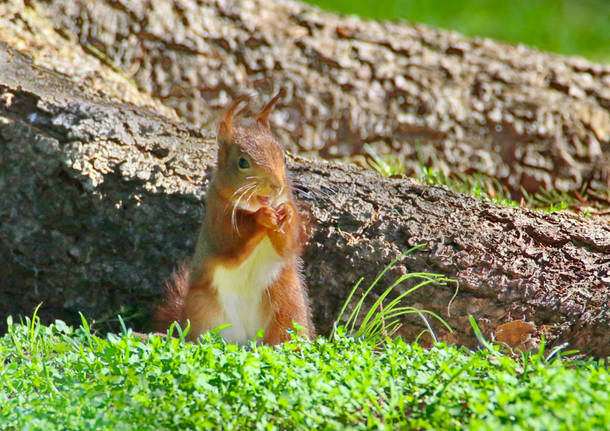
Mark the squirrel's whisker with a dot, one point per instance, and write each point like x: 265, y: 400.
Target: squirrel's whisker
x: 322, y: 188
x: 250, y: 196
x: 310, y: 192
x: 245, y: 186
x: 244, y: 190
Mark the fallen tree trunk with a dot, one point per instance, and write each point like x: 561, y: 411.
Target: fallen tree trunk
x: 532, y: 120
x: 100, y: 200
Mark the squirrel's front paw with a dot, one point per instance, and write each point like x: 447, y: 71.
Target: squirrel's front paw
x: 266, y: 216
x: 284, y: 214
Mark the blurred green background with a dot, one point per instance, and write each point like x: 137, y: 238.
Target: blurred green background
x: 571, y: 27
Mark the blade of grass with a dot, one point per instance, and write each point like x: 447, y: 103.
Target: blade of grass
x: 347, y: 301
x: 354, y: 316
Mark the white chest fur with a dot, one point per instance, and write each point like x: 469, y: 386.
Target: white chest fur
x: 241, y: 289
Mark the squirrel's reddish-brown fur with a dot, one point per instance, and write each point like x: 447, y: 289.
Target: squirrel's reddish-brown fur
x: 246, y: 269
x: 175, y: 291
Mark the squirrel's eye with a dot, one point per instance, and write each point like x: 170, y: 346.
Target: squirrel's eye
x: 243, y: 163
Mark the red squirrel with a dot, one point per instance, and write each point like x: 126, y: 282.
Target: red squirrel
x: 246, y: 267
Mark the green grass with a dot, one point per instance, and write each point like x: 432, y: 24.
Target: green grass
x: 572, y: 27
x: 381, y: 320
x: 54, y: 377
x: 483, y: 186
x: 477, y: 185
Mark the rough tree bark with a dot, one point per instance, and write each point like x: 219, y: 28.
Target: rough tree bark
x: 101, y: 198
x: 529, y: 119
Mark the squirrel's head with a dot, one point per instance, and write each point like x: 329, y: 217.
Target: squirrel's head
x: 251, y: 169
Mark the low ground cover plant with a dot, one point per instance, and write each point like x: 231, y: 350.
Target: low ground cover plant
x: 57, y: 377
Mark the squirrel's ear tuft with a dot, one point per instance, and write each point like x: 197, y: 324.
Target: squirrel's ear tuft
x: 225, y: 128
x: 263, y: 116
